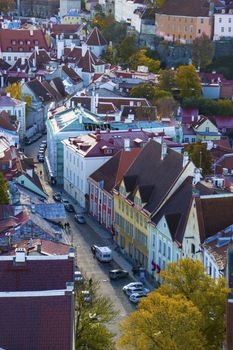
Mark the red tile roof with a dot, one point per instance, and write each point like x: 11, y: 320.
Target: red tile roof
x: 36, y: 275
x: 65, y: 28
x: 96, y: 38
x: 46, y: 247
x: 193, y: 8
x: 36, y: 322
x: 6, y: 122
x: 22, y: 40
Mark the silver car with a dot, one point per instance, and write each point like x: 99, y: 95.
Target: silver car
x: 136, y: 297
x: 131, y: 285
x: 132, y: 290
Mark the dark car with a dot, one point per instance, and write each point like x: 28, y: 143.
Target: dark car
x: 57, y: 197
x: 69, y: 207
x: 80, y: 219
x: 117, y: 274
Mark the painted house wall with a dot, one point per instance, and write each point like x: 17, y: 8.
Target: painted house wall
x: 223, y: 25
x: 77, y: 169
x: 19, y: 111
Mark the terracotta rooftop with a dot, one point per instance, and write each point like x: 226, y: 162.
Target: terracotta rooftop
x: 96, y: 38
x: 193, y: 8
x: 22, y: 40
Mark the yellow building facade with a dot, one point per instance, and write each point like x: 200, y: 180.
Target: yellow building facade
x: 131, y: 226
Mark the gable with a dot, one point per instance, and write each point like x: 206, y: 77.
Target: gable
x: 207, y: 124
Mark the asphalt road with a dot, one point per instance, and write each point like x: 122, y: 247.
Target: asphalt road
x: 83, y: 237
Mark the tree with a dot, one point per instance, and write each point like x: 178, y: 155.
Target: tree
x: 163, y: 323
x: 114, y: 31
x: 145, y: 90
x: 166, y: 106
x: 188, y: 81
x: 188, y: 278
x: 208, y: 106
x: 15, y: 91
x: 4, y: 199
x: 140, y: 58
x: 166, y: 80
x: 7, y: 6
x: 28, y: 100
x: 126, y: 49
x: 202, y: 51
x: 200, y: 156
x: 92, y: 314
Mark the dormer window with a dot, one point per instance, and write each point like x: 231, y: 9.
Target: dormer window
x: 36, y: 42
x: 21, y: 49
x: 13, y: 42
x: 9, y: 49
x: 20, y: 42
x: 137, y: 201
x: 122, y: 190
x: 28, y: 42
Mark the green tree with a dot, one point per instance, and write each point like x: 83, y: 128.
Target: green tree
x: 140, y: 58
x: 7, y: 6
x: 188, y: 82
x: 188, y: 278
x: 4, y: 199
x: 166, y: 79
x: 144, y: 90
x: 202, y: 51
x: 163, y: 323
x: 166, y: 106
x: 91, y: 317
x: 208, y: 106
x: 114, y: 31
x: 200, y: 156
x: 126, y: 49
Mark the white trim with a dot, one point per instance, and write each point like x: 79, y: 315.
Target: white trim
x: 216, y: 196
x: 36, y: 257
x: 41, y: 293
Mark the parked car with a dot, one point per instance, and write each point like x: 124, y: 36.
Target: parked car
x: 131, y: 285
x: 69, y: 207
x: 136, y: 297
x: 86, y: 296
x: 44, y: 142
x: 93, y: 249
x: 57, y: 197
x: 132, y: 290
x: 80, y: 219
x: 28, y: 142
x: 41, y: 159
x: 117, y: 274
x: 78, y: 277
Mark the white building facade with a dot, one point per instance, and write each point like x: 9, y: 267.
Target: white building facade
x: 223, y: 25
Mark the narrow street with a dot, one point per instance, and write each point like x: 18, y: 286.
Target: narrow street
x: 83, y: 237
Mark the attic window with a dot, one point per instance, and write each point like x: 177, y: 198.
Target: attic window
x: 36, y: 42
x: 20, y: 42
x: 137, y: 201
x: 28, y: 42
x: 9, y: 49
x: 21, y: 49
x: 13, y: 42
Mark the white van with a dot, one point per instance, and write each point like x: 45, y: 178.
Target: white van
x: 103, y: 254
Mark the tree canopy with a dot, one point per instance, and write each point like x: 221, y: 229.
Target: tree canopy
x: 187, y: 81
x: 4, y: 199
x: 157, y: 325
x: 91, y: 318
x: 145, y: 90
x: 202, y: 51
x: 7, y: 6
x: 209, y: 107
x: 185, y: 313
x: 140, y: 58
x: 166, y: 79
x: 200, y: 156
x: 126, y: 48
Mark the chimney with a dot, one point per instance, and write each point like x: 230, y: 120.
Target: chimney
x: 197, y: 176
x: 20, y: 255
x: 185, y: 159
x: 10, y: 163
x: 192, y: 118
x: 93, y: 104
x: 80, y: 118
x: 163, y: 150
x: 84, y: 49
x: 38, y: 248
x: 127, y: 145
x: 22, y: 60
x: 37, y: 49
x: 96, y: 100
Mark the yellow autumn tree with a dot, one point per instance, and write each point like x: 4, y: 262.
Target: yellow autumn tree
x: 162, y: 323
x: 15, y: 91
x: 28, y: 100
x: 189, y: 279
